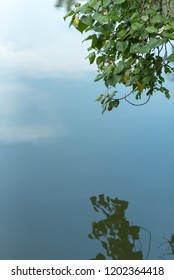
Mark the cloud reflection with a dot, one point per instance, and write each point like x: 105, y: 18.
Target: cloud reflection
x: 32, y: 48
x: 26, y: 115
x: 32, y: 51
x: 45, y: 61
x: 11, y: 134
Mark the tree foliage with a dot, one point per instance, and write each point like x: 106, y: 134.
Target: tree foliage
x: 67, y: 3
x: 131, y: 44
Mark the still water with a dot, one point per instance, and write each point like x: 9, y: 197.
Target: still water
x: 57, y: 150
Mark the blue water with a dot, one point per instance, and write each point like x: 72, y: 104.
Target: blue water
x: 57, y: 149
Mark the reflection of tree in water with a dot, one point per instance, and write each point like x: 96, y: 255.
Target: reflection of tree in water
x: 120, y: 239
x: 167, y: 248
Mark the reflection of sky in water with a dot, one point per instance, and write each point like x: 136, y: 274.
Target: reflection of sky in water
x: 56, y: 149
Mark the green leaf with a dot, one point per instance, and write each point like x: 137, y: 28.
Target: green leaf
x: 87, y: 20
x: 68, y: 15
x: 117, y: 2
x: 92, y: 3
x: 100, y: 18
x: 122, y: 46
x: 97, y: 5
x: 81, y: 26
x: 165, y: 91
x: 145, y: 18
x: 106, y: 2
x: 156, y: 19
x: 83, y: 8
x: 94, y: 40
x: 109, y: 45
x: 99, y: 77
x: 146, y: 80
x: 104, y: 108
x: 121, y: 34
x: 136, y: 26
x: 99, y: 98
x: 151, y: 29
x: 134, y: 49
x: 119, y: 68
x: 91, y: 57
x: 167, y: 69
x: 100, y: 59
x: 112, y: 80
x: 168, y: 35
x: 171, y: 58
x: 167, y: 27
x: 134, y: 17
x: 114, y: 103
x: 154, y: 43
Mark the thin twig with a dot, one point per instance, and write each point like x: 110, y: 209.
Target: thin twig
x: 125, y: 96
x: 150, y: 238
x: 138, y: 104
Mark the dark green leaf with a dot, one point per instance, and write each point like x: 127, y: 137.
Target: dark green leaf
x: 113, y: 80
x: 93, y: 200
x: 91, y: 57
x: 114, y: 103
x: 100, y: 257
x: 99, y: 77
x: 81, y: 26
x: 69, y: 14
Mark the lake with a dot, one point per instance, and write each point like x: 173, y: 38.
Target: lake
x: 57, y: 150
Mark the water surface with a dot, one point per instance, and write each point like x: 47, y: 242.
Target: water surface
x: 57, y: 149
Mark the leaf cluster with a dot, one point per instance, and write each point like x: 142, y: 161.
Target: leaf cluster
x: 130, y: 42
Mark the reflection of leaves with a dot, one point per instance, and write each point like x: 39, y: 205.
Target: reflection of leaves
x: 168, y: 245
x: 119, y: 239
x: 100, y: 257
x: 117, y: 236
